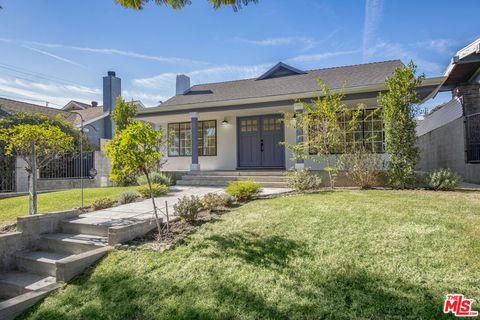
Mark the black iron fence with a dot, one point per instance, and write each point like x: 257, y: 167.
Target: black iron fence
x: 472, y: 126
x: 69, y: 166
x: 7, y: 174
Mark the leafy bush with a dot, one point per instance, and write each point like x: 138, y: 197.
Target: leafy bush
x: 128, y: 197
x: 187, y: 208
x: 155, y: 177
x: 157, y: 190
x: 213, y: 202
x: 121, y: 180
x: 442, y: 179
x: 243, y: 190
x: 303, y: 180
x: 227, y: 199
x: 103, y: 203
x: 362, y: 166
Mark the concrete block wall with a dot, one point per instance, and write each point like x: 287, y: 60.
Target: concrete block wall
x: 471, y: 98
x: 444, y: 147
x: 29, y: 230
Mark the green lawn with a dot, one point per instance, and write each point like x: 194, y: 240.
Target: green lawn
x: 344, y: 255
x: 54, y: 201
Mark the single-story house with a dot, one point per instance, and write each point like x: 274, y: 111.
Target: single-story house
x: 236, y: 125
x: 449, y: 137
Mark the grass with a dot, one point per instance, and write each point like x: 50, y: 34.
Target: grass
x: 343, y: 255
x: 11, y: 208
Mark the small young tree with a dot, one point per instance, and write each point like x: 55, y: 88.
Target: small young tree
x: 37, y: 145
x: 326, y: 123
x: 136, y: 149
x: 399, y: 111
x: 123, y: 113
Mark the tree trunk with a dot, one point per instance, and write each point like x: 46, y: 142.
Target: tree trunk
x: 153, y: 202
x: 32, y: 183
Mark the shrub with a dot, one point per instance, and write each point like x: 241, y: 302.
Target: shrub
x: 362, y: 166
x: 302, y: 180
x: 213, y: 202
x: 128, y: 197
x: 227, y: 199
x: 155, y: 177
x: 442, y: 179
x: 243, y: 190
x: 103, y: 203
x: 157, y: 190
x: 124, y: 181
x: 187, y: 208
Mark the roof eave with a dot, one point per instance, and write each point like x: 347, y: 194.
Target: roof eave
x: 294, y: 96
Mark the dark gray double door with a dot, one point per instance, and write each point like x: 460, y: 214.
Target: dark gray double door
x: 259, y: 139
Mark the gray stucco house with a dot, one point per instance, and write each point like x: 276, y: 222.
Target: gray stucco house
x: 237, y: 125
x: 449, y: 137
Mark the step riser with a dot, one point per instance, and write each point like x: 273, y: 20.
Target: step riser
x: 36, y: 267
x: 65, y: 246
x: 238, y: 178
x: 223, y: 183
x: 79, y: 228
x: 236, y: 173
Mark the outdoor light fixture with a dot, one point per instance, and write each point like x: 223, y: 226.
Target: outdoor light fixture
x: 224, y: 122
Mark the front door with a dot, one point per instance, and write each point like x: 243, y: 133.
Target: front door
x: 259, y: 140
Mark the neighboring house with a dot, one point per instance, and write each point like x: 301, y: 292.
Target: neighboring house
x: 96, y: 119
x: 450, y: 136
x: 237, y: 124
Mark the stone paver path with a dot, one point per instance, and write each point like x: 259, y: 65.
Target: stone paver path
x: 133, y: 212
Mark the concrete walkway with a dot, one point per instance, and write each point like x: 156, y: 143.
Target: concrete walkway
x: 135, y: 212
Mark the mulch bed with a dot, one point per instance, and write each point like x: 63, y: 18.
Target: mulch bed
x: 8, y: 228
x: 179, y: 229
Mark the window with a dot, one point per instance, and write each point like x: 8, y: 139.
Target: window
x: 368, y: 131
x: 181, y: 139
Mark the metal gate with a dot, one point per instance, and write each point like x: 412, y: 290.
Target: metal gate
x: 7, y: 174
x: 472, y: 127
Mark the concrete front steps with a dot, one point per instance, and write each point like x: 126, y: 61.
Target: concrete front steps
x: 267, y: 178
x: 58, y: 258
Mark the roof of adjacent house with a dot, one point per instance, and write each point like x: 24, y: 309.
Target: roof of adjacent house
x: 19, y: 106
x: 360, y: 75
x: 88, y: 114
x: 76, y: 105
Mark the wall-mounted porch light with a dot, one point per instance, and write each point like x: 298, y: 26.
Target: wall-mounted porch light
x: 224, y: 122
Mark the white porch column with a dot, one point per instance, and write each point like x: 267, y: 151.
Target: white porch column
x: 195, y: 166
x: 299, y: 163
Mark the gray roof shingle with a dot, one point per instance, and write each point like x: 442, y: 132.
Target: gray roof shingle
x: 353, y: 76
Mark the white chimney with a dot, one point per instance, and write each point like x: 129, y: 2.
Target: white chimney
x: 183, y: 84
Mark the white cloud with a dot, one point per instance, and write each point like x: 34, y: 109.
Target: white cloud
x: 373, y: 14
x: 443, y: 46
x: 51, y: 92
x: 384, y: 50
x: 213, y: 74
x: 105, y: 51
x: 306, y: 43
x: 53, y: 56
x: 320, y: 56
x: 148, y: 99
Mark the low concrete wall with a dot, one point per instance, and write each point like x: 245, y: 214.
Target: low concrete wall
x: 65, y: 184
x: 29, y: 230
x: 122, y: 234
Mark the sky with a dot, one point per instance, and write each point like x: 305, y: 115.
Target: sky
x: 58, y: 51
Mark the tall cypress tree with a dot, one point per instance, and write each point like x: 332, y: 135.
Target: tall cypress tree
x: 399, y: 108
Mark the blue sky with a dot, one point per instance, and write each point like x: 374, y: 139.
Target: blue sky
x: 59, y: 50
